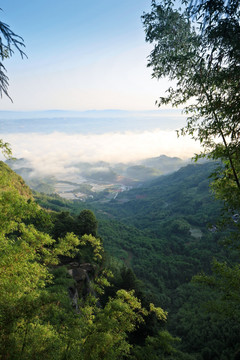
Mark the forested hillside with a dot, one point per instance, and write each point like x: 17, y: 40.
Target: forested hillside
x: 151, y: 273
x: 53, y: 280
x: 164, y: 226
x: 167, y: 231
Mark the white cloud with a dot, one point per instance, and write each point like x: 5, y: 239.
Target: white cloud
x: 58, y: 152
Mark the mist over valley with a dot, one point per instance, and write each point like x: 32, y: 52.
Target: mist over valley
x: 120, y: 180
x: 80, y: 154
x: 96, y: 180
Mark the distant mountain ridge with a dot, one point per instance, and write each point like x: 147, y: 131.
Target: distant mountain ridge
x: 4, y: 114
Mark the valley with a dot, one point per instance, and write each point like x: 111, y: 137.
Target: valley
x: 157, y: 235
x: 158, y: 227
x: 120, y: 180
x: 162, y: 231
x: 98, y: 181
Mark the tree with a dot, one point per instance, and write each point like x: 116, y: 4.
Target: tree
x: 36, y: 317
x: 25, y: 257
x: 86, y: 223
x: 63, y: 223
x: 8, y: 41
x: 198, y: 47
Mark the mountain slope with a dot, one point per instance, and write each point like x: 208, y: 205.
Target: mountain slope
x: 184, y: 193
x: 9, y: 179
x: 163, y: 229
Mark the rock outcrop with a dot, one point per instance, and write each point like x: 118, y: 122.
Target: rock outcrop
x: 82, y: 275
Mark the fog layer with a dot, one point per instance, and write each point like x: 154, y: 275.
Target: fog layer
x: 59, y: 152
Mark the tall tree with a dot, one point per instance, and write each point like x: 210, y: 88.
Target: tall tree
x: 87, y: 223
x: 8, y: 42
x: 198, y: 47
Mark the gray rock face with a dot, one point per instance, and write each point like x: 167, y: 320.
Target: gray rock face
x: 88, y: 267
x: 73, y: 293
x: 78, y: 274
x: 82, y: 275
x: 73, y: 264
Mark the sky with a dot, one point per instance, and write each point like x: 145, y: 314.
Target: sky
x: 84, y: 55
x: 81, y: 55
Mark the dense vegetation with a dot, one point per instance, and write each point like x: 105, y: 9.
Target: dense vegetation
x: 177, y: 240
x: 37, y: 316
x: 56, y: 298
x: 168, y: 231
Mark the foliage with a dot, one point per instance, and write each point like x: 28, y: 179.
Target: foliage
x: 198, y: 47
x: 162, y: 255
x: 159, y: 347
x: 5, y: 148
x: 87, y: 223
x: 10, y: 179
x: 150, y: 233
x: 25, y: 252
x: 8, y: 41
x: 63, y: 223
x: 36, y: 316
x: 225, y: 281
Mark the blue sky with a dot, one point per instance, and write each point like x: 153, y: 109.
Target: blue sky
x: 81, y: 55
x: 85, y: 55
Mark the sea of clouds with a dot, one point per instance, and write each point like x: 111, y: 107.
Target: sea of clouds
x: 55, y: 142
x: 59, y: 152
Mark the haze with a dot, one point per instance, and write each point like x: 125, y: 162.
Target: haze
x: 83, y: 56
x: 55, y: 145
